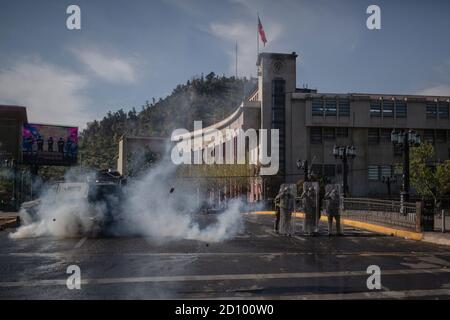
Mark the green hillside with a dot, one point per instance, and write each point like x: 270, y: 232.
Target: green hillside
x: 208, y: 98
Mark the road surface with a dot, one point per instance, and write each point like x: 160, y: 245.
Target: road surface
x: 256, y: 264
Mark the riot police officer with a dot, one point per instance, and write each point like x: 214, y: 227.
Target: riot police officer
x: 309, y: 205
x: 286, y: 204
x: 332, y: 204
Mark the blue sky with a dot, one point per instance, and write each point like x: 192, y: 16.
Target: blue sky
x: 130, y: 51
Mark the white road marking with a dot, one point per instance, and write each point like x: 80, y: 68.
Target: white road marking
x: 220, y: 277
x: 199, y: 254
x: 80, y: 243
x: 349, y: 296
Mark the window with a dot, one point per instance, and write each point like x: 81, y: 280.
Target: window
x: 386, y: 171
x: 316, y: 169
x: 443, y: 110
x: 330, y: 108
x: 388, y: 108
x: 375, y: 109
x: 441, y: 136
x: 428, y: 135
x: 317, y: 107
x: 374, y: 136
x: 373, y: 173
x: 342, y: 132
x: 401, y: 110
x: 316, y: 135
x: 431, y: 110
x: 278, y: 115
x: 344, y: 107
x: 385, y: 135
x: 329, y: 170
x: 329, y: 134
x: 339, y: 168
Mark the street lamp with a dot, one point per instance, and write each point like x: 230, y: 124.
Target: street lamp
x: 344, y: 153
x: 303, y: 164
x: 405, y: 139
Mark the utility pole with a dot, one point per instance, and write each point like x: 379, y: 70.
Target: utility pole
x: 344, y: 153
x: 388, y: 181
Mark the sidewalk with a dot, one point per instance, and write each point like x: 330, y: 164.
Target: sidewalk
x: 8, y: 219
x: 435, y: 237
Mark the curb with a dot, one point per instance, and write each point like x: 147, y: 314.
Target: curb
x: 366, y: 226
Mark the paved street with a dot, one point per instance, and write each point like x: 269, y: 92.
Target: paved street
x: 255, y: 264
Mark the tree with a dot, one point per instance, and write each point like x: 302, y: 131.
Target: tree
x: 430, y: 179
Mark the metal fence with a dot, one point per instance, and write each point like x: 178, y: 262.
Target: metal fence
x: 442, y: 220
x: 385, y: 212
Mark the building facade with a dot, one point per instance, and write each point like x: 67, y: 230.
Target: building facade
x: 311, y: 123
x: 12, y: 119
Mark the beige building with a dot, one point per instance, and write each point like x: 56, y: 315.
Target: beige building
x: 311, y: 123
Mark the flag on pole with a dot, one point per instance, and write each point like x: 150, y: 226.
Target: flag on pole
x: 261, y: 32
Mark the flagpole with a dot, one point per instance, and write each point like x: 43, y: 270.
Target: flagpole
x: 236, y: 61
x: 257, y: 37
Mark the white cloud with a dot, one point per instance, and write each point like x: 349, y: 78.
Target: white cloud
x: 245, y: 35
x: 106, y: 66
x: 440, y: 90
x: 51, y: 94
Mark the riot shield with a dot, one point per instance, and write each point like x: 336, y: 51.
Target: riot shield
x: 287, y: 192
x: 310, y: 206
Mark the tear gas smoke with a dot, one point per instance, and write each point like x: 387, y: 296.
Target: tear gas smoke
x: 66, y: 214
x: 155, y: 206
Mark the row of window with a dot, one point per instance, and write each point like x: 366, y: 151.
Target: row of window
x: 376, y: 172
x: 278, y: 115
x: 435, y: 110
x: 375, y: 136
x: 378, y: 108
x: 433, y: 136
x: 388, y: 108
x: 331, y: 107
x: 327, y: 170
x: 318, y: 134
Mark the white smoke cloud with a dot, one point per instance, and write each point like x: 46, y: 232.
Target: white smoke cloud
x: 156, y: 213
x: 149, y: 210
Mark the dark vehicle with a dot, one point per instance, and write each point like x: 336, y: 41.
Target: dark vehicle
x: 104, y: 193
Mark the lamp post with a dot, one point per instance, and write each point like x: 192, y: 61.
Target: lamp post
x: 303, y: 164
x: 405, y: 139
x: 388, y: 180
x: 344, y: 153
